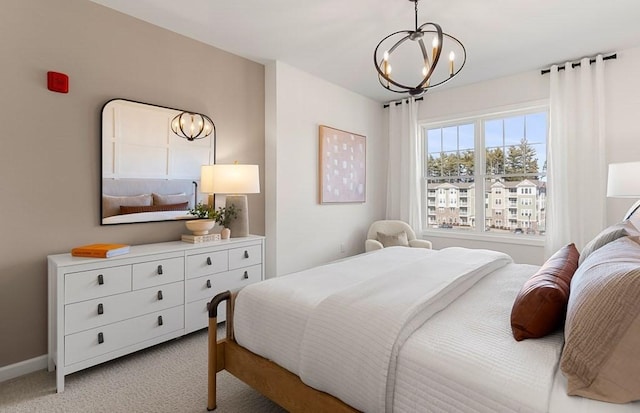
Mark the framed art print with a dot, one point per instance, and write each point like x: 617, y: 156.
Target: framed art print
x: 342, y: 160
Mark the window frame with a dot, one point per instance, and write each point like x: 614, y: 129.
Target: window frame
x: 478, y: 119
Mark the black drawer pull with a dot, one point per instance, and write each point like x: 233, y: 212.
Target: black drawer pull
x: 100, y: 338
x: 100, y: 309
x: 100, y: 279
x: 160, y: 322
x: 160, y: 295
x: 246, y: 254
x: 246, y: 275
x: 159, y: 269
x: 208, y: 283
x: 208, y: 260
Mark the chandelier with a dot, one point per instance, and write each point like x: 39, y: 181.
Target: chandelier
x: 427, y: 73
x: 192, y: 126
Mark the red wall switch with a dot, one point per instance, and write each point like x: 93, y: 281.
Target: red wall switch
x: 58, y: 82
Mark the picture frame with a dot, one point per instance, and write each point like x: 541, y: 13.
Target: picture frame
x: 342, y: 166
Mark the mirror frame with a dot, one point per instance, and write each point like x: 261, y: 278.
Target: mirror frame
x: 156, y: 187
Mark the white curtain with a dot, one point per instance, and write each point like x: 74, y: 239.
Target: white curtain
x: 576, y: 160
x: 403, y: 169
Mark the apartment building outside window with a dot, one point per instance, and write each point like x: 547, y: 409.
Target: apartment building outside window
x: 495, y: 166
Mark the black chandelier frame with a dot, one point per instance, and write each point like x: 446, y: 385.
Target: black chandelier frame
x: 416, y: 35
x: 199, y: 133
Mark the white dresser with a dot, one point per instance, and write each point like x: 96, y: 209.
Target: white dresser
x: 103, y: 308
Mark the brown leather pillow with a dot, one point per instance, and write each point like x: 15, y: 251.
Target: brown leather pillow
x: 132, y: 209
x: 541, y: 305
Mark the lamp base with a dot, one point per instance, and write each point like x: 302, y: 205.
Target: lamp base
x: 240, y: 226
x: 632, y: 210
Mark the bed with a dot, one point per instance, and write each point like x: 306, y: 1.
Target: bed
x: 146, y: 200
x: 373, y: 333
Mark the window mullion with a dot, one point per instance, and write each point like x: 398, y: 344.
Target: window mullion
x: 480, y: 172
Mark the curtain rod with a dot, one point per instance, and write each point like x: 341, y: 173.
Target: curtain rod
x: 386, y: 105
x: 591, y: 61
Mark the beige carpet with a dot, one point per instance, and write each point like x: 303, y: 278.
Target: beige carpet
x: 170, y: 377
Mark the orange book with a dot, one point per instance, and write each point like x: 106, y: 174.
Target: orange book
x: 100, y: 250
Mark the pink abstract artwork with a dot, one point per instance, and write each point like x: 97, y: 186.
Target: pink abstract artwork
x: 342, y: 166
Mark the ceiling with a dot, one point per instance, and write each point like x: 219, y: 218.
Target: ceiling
x: 334, y: 39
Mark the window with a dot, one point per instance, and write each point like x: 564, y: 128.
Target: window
x: 497, y: 162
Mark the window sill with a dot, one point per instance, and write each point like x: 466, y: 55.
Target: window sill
x: 537, y: 241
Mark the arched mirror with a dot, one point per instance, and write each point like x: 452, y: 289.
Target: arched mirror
x: 149, y: 173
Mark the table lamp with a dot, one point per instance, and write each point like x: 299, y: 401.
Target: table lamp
x: 624, y: 182
x: 235, y: 181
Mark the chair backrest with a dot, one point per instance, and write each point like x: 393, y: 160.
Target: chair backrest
x: 390, y: 227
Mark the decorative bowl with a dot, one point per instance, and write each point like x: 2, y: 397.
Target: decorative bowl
x: 200, y: 226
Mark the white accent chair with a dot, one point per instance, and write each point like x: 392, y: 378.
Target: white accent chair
x: 392, y: 227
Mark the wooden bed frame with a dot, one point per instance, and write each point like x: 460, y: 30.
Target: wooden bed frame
x: 276, y: 383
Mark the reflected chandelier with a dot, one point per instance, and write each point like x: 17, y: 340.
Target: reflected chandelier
x: 432, y: 74
x: 192, y: 126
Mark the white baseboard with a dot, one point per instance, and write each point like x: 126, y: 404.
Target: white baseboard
x: 23, y: 367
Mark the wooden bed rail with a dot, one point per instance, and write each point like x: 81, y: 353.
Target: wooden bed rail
x: 216, y: 349
x: 276, y: 383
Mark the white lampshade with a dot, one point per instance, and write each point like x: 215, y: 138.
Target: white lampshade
x: 206, y: 179
x: 624, y: 180
x: 232, y: 179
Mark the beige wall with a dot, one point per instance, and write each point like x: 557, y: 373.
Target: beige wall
x: 50, y: 142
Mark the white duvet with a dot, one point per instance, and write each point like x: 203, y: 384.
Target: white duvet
x: 389, y: 293
x: 352, y: 337
x: 270, y: 317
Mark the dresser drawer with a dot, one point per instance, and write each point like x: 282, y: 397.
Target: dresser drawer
x: 85, y: 345
x: 157, y: 272
x: 197, y: 314
x: 207, y: 263
x: 210, y: 285
x: 244, y: 257
x: 106, y: 310
x: 85, y: 285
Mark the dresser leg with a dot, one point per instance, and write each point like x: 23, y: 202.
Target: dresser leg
x: 59, y: 381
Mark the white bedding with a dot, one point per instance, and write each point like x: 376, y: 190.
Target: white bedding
x: 283, y: 304
x: 464, y: 359
x: 147, y: 217
x: 352, y: 354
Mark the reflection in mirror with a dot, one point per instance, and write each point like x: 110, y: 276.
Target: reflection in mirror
x: 148, y: 172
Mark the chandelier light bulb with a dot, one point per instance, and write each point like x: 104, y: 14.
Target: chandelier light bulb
x: 452, y: 57
x: 434, y: 49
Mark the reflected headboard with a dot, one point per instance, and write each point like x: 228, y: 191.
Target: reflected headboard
x: 173, y: 192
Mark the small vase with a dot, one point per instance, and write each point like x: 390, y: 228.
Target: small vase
x: 225, y: 233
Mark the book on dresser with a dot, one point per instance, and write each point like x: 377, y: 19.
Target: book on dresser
x: 195, y: 239
x: 100, y: 250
